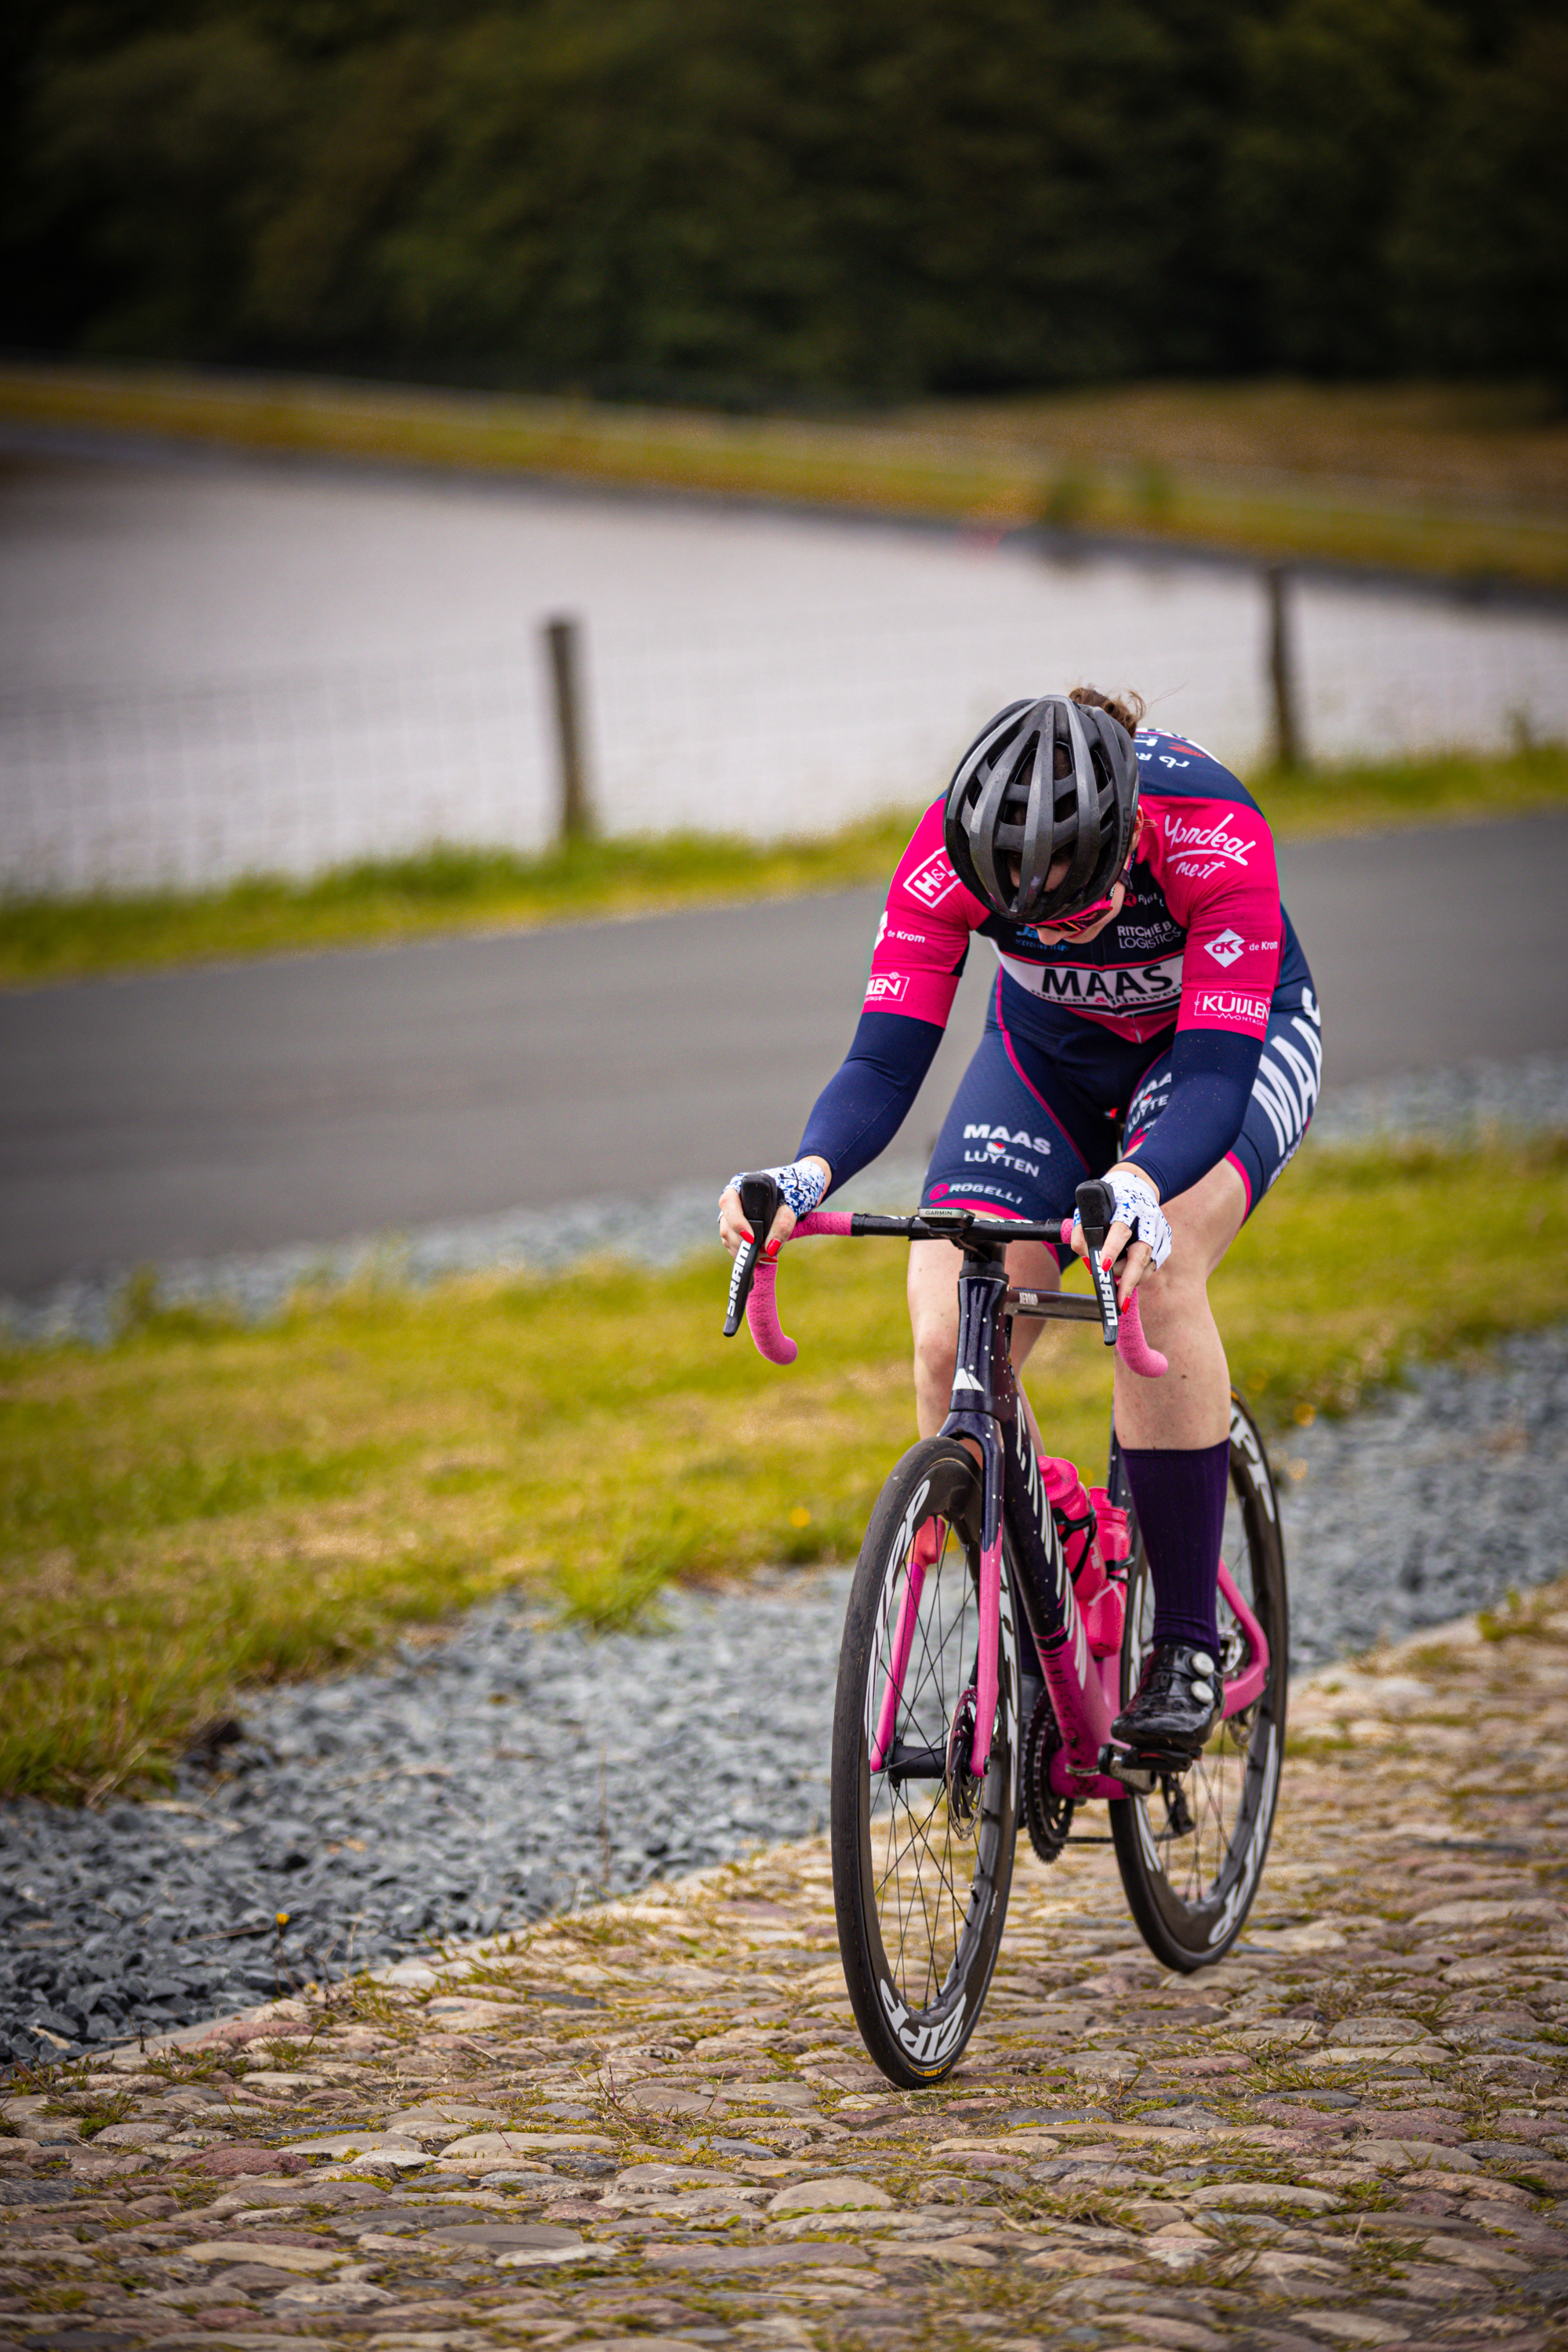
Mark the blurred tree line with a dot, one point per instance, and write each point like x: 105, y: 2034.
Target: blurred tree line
x: 731, y: 200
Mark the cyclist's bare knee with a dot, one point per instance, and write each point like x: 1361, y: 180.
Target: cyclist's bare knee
x: 933, y: 1320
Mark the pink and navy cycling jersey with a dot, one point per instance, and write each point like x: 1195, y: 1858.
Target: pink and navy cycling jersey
x: 1192, y: 962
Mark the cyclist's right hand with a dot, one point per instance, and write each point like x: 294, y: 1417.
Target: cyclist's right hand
x: 804, y: 1182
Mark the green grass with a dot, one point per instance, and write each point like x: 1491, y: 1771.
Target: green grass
x: 200, y: 1507
x: 447, y: 888
x: 451, y: 889
x: 1447, y: 480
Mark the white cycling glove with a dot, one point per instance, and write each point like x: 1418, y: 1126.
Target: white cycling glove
x: 1138, y: 1208
x: 801, y: 1185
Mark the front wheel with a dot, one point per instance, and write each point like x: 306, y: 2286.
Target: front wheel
x: 922, y: 1849
x: 1192, y: 1855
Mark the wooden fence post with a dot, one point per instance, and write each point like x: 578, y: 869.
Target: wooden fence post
x: 1288, y: 751
x: 564, y: 637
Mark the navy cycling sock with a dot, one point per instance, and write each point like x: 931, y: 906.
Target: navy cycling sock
x: 1180, y: 1500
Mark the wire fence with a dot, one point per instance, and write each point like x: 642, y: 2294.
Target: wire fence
x: 765, y: 722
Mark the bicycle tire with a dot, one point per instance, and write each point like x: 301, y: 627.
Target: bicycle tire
x: 1190, y: 1892
x: 899, y: 1863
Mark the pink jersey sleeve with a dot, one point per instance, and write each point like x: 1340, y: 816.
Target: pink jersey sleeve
x: 1213, y: 860
x: 924, y: 930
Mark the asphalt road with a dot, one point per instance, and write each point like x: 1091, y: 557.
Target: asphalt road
x: 314, y: 1098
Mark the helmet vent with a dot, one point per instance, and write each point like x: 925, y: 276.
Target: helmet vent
x: 1011, y: 820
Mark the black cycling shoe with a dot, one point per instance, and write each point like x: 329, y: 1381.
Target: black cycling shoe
x: 1177, y: 1702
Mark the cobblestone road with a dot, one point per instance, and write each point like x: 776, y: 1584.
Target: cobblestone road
x: 653, y: 2125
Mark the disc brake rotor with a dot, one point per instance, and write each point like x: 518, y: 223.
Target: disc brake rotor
x: 963, y: 1783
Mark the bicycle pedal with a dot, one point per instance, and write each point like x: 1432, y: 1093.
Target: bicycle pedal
x: 1138, y: 1773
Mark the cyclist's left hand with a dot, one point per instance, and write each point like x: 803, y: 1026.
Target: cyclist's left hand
x: 1136, y: 1193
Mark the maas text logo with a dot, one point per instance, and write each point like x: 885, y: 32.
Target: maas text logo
x: 997, y: 1138
x: 1226, y: 948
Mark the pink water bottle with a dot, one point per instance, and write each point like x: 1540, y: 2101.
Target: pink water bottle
x: 1074, y: 1515
x: 1107, y: 1613
x: 1115, y: 1542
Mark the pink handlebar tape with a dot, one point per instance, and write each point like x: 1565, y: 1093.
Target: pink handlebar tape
x: 1134, y: 1350
x: 1130, y: 1345
x: 762, y: 1307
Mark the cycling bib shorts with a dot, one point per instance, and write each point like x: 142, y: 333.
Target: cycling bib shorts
x: 1023, y: 1134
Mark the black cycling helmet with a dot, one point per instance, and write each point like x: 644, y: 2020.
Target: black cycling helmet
x: 1044, y: 779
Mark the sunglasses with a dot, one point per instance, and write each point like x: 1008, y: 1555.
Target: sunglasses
x: 1068, y: 926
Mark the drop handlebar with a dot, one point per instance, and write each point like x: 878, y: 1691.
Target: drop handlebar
x: 754, y: 1285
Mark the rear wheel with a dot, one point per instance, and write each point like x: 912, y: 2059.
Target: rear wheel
x: 922, y: 1849
x: 1192, y: 1855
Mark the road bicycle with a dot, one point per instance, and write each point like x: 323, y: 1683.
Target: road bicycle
x: 941, y: 1739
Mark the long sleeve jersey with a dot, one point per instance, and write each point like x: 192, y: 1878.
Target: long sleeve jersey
x: 1190, y: 963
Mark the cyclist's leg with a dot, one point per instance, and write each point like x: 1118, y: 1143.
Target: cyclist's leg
x: 1016, y: 1142
x: 1191, y: 1407
x: 1175, y: 1432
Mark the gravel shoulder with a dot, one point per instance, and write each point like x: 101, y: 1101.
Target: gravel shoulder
x: 652, y: 2123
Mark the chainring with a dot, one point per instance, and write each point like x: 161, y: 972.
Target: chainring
x: 1047, y: 1816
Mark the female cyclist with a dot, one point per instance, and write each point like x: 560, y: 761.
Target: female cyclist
x: 1152, y: 1020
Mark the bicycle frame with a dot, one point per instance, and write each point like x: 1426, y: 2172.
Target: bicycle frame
x: 987, y: 1409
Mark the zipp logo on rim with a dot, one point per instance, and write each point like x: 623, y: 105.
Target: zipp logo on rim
x: 925, y: 2044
